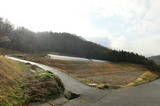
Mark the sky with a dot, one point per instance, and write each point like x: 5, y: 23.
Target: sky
x: 131, y: 25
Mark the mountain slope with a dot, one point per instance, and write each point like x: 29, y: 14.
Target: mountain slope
x: 155, y: 58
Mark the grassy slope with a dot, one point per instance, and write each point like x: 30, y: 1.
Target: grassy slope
x: 144, y: 78
x: 11, y: 73
x: 95, y: 72
x: 17, y: 82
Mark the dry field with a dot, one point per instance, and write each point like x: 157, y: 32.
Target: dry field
x: 93, y: 72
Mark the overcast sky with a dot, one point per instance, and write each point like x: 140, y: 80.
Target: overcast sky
x: 132, y: 25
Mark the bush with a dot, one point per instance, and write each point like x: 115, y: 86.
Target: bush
x: 43, y: 86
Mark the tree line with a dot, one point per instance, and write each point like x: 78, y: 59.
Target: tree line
x: 24, y: 40
x: 130, y: 57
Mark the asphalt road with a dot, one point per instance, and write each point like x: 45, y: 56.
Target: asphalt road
x: 143, y: 95
x: 88, y: 93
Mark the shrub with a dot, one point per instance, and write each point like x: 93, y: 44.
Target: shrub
x: 45, y: 85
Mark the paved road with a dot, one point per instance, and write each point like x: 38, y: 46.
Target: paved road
x: 143, y: 95
x: 88, y: 94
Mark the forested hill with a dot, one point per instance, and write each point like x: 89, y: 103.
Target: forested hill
x: 22, y: 39
x: 156, y: 59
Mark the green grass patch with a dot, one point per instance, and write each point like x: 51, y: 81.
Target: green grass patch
x: 44, y: 76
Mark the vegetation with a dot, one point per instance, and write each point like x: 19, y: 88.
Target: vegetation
x: 24, y: 40
x: 155, y: 58
x: 4, y: 51
x: 20, y: 84
x: 144, y: 78
x: 43, y: 86
x: 122, y: 56
x: 93, y: 73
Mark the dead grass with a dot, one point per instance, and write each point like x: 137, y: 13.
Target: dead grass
x: 10, y: 77
x: 148, y: 76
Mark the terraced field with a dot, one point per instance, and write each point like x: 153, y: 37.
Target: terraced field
x: 92, y: 72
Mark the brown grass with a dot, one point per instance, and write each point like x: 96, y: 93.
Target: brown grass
x: 10, y: 76
x: 148, y: 76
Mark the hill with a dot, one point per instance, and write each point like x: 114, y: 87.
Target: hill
x: 155, y: 58
x: 24, y: 40
x: 24, y: 83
